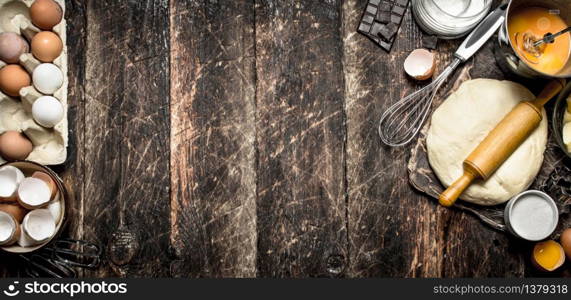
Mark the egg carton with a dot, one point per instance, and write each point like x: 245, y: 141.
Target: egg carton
x: 50, y: 144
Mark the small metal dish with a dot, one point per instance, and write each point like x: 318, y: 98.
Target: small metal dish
x: 558, y: 115
x: 548, y: 200
x: 28, y: 168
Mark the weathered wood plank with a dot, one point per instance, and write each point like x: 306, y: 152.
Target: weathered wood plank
x: 300, y: 136
x: 125, y: 143
x: 393, y: 232
x: 72, y: 172
x: 213, y: 170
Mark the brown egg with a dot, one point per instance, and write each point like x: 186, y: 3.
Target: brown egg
x: 46, y: 14
x: 46, y: 46
x: 566, y: 242
x: 12, y: 79
x: 12, y: 45
x: 14, y: 146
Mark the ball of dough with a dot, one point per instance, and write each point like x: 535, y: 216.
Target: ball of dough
x: 464, y: 120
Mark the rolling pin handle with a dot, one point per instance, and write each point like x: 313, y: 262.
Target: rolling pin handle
x: 551, y: 90
x: 449, y: 196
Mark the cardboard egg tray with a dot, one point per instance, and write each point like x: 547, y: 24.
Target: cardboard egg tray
x: 50, y: 144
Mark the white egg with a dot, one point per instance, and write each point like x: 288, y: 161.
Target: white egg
x: 47, y: 78
x: 47, y: 111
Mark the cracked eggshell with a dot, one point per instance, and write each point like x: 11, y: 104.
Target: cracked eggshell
x: 55, y: 209
x: 38, y: 226
x: 33, y: 193
x: 47, y: 179
x: 25, y: 243
x: 14, y: 209
x: 420, y: 64
x: 9, y: 229
x: 10, y: 178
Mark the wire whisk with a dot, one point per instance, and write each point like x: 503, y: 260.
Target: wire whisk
x: 59, y: 259
x: 402, y: 121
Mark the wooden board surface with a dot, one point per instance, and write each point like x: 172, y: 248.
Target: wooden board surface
x: 238, y: 139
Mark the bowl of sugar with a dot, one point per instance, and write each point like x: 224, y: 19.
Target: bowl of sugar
x: 531, y: 215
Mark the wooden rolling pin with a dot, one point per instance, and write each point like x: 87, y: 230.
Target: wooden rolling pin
x: 501, y: 142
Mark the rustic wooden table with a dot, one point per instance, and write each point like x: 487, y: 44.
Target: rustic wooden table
x: 238, y: 139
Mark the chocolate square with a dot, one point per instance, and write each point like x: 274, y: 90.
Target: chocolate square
x: 386, y: 45
x: 364, y: 27
x: 375, y: 2
x: 383, y: 16
x: 386, y: 32
x: 372, y: 9
x: 377, y: 27
x: 398, y: 10
x: 402, y: 2
x: 368, y: 19
x: 395, y: 19
x: 385, y: 6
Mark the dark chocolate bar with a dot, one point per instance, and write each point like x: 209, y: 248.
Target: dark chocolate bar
x: 381, y: 20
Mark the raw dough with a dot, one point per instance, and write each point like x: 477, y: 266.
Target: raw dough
x: 464, y: 120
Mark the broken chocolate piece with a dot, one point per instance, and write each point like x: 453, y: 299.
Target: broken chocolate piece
x: 429, y: 41
x: 388, y: 31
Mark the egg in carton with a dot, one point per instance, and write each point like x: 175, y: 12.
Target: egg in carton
x: 49, y: 144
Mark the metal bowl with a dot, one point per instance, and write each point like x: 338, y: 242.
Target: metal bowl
x: 558, y: 115
x: 28, y: 168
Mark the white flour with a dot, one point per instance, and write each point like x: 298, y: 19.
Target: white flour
x: 532, y: 217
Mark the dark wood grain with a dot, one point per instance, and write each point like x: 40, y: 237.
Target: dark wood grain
x: 213, y: 172
x: 123, y: 136
x: 239, y: 139
x: 392, y: 230
x: 73, y: 172
x: 301, y: 215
